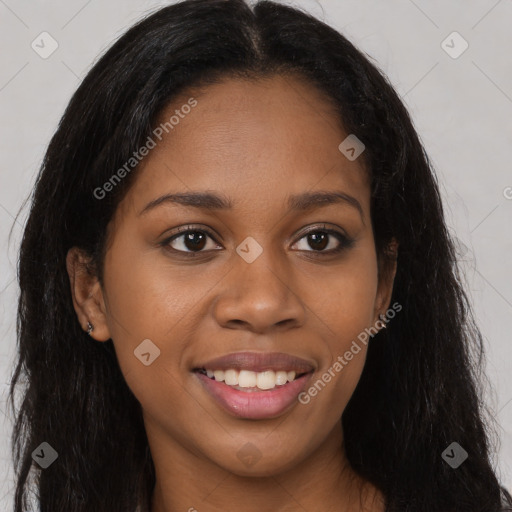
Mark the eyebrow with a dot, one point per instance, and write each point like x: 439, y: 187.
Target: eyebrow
x: 298, y: 202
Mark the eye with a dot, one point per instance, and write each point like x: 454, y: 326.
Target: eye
x: 321, y: 238
x: 190, y: 240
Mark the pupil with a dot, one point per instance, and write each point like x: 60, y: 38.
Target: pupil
x: 192, y: 242
x: 316, y: 236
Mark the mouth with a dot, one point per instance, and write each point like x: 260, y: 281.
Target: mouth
x: 250, y: 381
x: 254, y: 385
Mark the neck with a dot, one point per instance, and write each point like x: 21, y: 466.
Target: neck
x: 324, y: 481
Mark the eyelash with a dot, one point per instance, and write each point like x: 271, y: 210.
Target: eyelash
x: 344, y: 241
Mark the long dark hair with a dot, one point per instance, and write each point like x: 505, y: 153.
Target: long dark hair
x: 421, y: 386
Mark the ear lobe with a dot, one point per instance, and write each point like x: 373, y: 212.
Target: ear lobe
x: 87, y: 294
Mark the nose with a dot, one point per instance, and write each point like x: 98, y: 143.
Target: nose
x: 259, y: 297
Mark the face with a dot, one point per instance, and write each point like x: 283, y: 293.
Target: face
x: 267, y: 291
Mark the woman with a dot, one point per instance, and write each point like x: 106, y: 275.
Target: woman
x: 237, y: 286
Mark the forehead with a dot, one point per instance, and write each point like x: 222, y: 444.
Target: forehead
x: 256, y: 141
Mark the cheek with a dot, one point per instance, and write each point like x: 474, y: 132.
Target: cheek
x: 142, y: 305
x: 145, y: 295
x: 330, y: 390
x: 346, y: 307
x: 346, y: 301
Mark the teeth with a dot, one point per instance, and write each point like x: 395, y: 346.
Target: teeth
x: 266, y: 380
x: 231, y: 377
x: 282, y: 378
x: 219, y: 375
x: 248, y: 379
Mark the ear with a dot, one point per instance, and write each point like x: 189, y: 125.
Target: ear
x: 387, y: 272
x: 87, y: 294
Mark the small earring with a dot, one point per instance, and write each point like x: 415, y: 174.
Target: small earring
x: 383, y: 320
x: 90, y: 328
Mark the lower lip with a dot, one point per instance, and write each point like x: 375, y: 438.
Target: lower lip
x: 254, y: 405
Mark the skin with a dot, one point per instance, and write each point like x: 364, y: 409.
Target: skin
x: 256, y: 142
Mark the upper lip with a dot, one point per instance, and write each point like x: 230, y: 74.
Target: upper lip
x: 258, y: 362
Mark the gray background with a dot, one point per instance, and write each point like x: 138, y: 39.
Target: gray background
x: 461, y: 108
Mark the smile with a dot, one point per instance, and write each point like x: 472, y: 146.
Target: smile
x: 254, y: 385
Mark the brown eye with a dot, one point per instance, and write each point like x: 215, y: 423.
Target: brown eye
x: 190, y: 241
x: 319, y: 240
x: 325, y: 241
x: 194, y: 240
